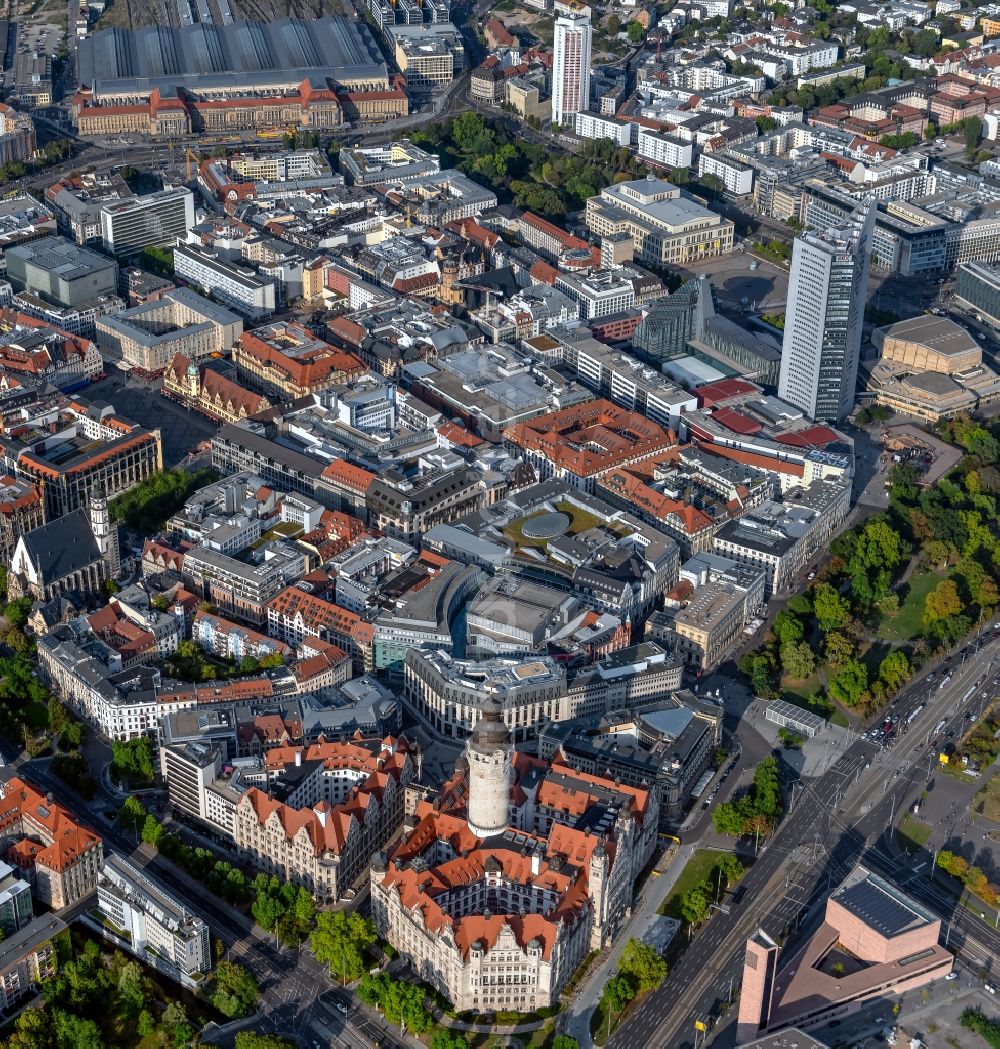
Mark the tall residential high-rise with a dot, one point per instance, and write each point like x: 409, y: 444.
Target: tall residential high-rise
x: 827, y: 289
x: 571, y: 66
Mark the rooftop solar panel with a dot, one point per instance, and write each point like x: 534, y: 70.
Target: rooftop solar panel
x: 880, y: 909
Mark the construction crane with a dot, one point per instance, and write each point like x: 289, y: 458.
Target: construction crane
x: 188, y: 157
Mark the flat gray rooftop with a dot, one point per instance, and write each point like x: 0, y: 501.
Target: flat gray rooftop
x: 248, y: 54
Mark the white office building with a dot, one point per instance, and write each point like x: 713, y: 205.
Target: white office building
x: 735, y: 176
x: 157, y: 219
x: 823, y: 322
x: 571, y: 67
x: 241, y: 289
x: 597, y: 125
x: 151, y: 924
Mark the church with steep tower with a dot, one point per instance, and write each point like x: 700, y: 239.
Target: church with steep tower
x: 105, y: 530
x: 72, y: 554
x: 517, y: 869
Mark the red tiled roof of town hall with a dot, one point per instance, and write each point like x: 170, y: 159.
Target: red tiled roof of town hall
x: 327, y: 825
x: 419, y: 889
x: 215, y: 385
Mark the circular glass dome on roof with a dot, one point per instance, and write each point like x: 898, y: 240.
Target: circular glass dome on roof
x: 548, y: 525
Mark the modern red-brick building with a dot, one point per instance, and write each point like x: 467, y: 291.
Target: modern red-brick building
x: 875, y: 942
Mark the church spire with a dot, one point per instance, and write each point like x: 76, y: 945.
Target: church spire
x: 105, y: 531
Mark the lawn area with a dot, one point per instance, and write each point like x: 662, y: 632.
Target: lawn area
x: 36, y: 715
x: 580, y: 521
x: 599, y: 1019
x: 808, y: 695
x: 696, y: 870
x: 907, y: 624
x: 545, y: 30
x: 987, y: 802
x: 913, y: 833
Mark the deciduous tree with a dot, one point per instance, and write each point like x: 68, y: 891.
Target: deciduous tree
x: 339, y: 940
x: 236, y: 991
x: 850, y: 684
x: 942, y: 602
x: 797, y: 659
x: 642, y: 964
x: 831, y: 610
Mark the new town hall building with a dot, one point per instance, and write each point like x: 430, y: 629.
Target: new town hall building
x: 519, y: 868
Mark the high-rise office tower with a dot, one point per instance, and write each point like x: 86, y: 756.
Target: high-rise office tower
x: 823, y: 321
x: 571, y: 67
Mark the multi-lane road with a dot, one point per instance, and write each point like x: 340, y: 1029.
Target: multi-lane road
x: 297, y: 996
x: 836, y: 822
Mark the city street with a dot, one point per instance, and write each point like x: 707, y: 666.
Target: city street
x: 839, y: 825
x: 296, y: 991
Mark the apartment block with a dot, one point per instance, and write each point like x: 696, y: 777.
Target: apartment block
x: 28, y: 958
x: 15, y: 900
x: 239, y: 288
x: 151, y: 923
x: 157, y: 219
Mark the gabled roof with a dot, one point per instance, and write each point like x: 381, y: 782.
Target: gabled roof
x: 61, y: 547
x: 63, y: 840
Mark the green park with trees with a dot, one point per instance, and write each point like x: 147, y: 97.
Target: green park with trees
x: 404, y: 1004
x: 758, y: 810
x: 132, y: 762
x: 897, y: 589
x: 147, y: 507
x: 105, y: 1000
x: 191, y: 663
x: 525, y: 173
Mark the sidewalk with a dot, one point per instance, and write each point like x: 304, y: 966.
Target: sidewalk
x: 575, y: 1021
